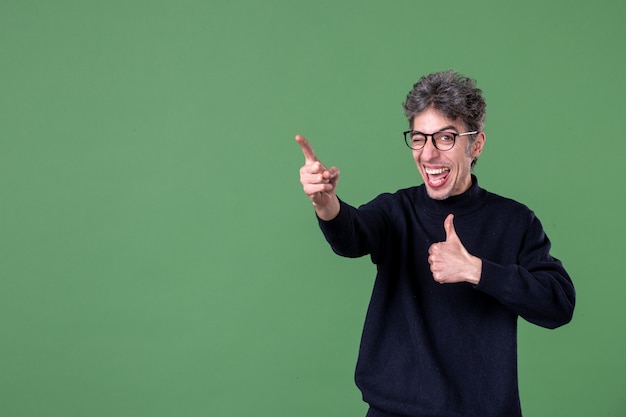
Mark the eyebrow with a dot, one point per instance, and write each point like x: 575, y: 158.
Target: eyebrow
x: 449, y: 127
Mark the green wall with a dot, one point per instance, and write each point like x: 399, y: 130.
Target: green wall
x: 158, y: 257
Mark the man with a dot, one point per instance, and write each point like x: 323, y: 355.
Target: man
x: 456, y: 266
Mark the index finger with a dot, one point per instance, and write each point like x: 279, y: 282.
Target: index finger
x: 307, y: 150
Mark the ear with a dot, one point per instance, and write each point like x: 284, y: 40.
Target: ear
x: 479, y: 143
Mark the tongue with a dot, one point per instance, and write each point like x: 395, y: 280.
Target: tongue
x: 437, y: 179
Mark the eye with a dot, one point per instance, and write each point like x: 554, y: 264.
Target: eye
x: 445, y: 137
x: 417, y: 138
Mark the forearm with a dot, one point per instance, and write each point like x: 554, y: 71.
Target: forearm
x: 342, y: 233
x: 544, y: 297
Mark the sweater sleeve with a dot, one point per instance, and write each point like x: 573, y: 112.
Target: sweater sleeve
x: 355, y: 232
x: 537, y: 287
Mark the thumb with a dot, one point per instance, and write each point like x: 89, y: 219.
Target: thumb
x: 448, y: 225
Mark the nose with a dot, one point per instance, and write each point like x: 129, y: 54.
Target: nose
x: 429, y: 152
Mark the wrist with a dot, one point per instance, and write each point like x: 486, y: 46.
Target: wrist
x: 475, y: 270
x: 328, y: 211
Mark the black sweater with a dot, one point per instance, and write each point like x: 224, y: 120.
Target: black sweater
x: 448, y: 350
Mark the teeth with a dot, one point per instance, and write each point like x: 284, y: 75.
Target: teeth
x: 436, y: 171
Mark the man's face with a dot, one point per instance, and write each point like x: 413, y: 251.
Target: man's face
x: 445, y: 173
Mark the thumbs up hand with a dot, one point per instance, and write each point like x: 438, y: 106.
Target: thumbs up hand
x: 450, y: 262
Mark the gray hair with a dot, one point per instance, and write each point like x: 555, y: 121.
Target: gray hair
x: 452, y: 94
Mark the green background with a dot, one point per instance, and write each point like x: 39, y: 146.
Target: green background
x: 158, y: 257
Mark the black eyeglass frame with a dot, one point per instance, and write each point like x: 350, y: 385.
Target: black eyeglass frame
x: 409, y: 141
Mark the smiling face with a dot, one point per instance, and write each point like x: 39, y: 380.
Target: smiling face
x: 445, y: 173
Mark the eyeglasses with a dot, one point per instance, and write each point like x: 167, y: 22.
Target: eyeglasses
x: 444, y: 141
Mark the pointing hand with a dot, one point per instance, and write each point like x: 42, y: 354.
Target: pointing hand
x: 318, y: 182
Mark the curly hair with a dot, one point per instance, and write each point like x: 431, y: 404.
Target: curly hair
x: 450, y: 93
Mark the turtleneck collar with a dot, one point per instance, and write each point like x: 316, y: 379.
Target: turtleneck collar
x: 470, y: 200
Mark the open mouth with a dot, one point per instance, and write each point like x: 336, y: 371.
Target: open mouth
x: 437, y: 177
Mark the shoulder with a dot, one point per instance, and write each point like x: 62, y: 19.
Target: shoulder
x: 401, y: 197
x: 500, y: 201
x: 508, y: 210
